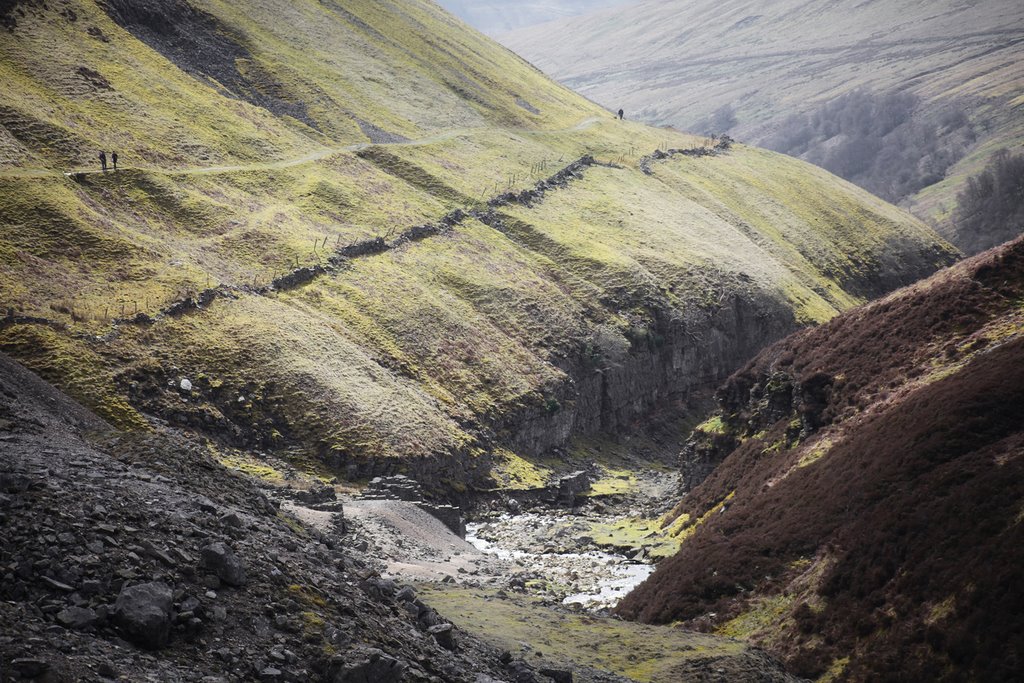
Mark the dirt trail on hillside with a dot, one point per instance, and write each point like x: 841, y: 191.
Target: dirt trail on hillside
x: 291, y: 161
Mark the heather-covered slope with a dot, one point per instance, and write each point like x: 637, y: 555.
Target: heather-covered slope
x: 863, y: 514
x: 905, y: 98
x: 312, y: 227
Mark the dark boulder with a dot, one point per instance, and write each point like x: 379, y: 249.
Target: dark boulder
x: 222, y: 561
x: 443, y: 634
x: 557, y: 675
x: 369, y: 665
x: 142, y: 613
x: 78, y: 618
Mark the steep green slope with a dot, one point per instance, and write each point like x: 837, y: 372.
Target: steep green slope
x: 302, y: 230
x: 905, y: 98
x: 857, y: 500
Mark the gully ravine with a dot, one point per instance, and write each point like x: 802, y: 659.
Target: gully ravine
x: 584, y: 558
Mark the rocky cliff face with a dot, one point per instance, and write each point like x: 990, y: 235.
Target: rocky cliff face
x: 856, y: 499
x: 673, y: 360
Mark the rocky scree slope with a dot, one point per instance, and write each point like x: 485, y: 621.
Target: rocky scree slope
x: 375, y: 241
x: 906, y: 99
x: 118, y: 546
x: 858, y: 497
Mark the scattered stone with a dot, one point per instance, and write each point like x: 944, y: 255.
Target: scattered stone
x: 30, y: 667
x: 77, y: 618
x: 407, y: 594
x: 557, y: 675
x: 52, y: 583
x: 143, y: 614
x: 220, y: 559
x: 317, y: 493
x: 397, y: 487
x: 163, y: 557
x: 373, y: 666
x: 443, y: 634
x: 231, y: 519
x: 185, y: 384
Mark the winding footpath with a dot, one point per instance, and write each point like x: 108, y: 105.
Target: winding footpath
x: 341, y: 257
x: 289, y: 162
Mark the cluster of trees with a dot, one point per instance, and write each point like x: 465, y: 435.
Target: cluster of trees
x: 990, y: 209
x: 886, y: 143
x: 719, y: 122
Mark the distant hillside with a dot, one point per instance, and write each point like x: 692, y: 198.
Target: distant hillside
x: 365, y: 238
x: 497, y: 16
x: 862, y: 515
x: 907, y: 99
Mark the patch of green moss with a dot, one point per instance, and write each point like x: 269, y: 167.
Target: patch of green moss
x: 639, y: 651
x: 252, y: 467
x: 835, y: 670
x: 306, y: 595
x: 757, y: 618
x: 513, y: 472
x: 294, y: 526
x: 74, y: 367
x: 816, y: 452
x: 942, y: 610
x: 713, y: 425
x: 613, y: 482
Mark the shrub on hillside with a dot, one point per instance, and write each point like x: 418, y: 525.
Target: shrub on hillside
x: 990, y: 209
x: 886, y: 143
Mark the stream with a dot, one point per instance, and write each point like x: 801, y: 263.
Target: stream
x: 550, y: 554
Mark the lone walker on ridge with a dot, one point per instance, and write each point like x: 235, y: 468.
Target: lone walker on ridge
x: 621, y: 114
x: 113, y: 157
x: 103, y: 160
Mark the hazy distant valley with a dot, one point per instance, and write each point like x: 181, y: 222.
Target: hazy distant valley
x: 497, y: 17
x: 908, y: 100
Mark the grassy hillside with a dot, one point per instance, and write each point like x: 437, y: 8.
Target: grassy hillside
x: 774, y: 76
x: 265, y: 152
x: 863, y: 517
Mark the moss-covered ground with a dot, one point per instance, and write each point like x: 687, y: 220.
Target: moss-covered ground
x: 522, y: 626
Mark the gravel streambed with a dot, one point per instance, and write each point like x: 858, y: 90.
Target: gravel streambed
x: 550, y: 554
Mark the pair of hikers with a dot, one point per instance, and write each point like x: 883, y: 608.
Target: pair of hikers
x: 103, y: 160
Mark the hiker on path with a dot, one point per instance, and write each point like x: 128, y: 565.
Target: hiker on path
x: 103, y: 160
x: 620, y: 114
x: 113, y: 157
